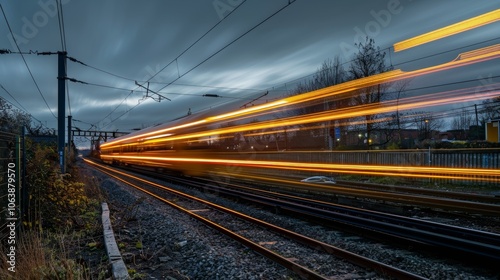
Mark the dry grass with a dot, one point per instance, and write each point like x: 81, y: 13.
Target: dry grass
x: 36, y: 260
x: 57, y: 252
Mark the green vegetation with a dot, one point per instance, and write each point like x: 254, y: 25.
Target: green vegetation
x: 61, y: 231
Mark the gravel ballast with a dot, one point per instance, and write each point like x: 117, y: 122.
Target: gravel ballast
x: 158, y: 242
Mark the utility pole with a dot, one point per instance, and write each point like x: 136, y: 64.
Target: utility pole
x: 61, y: 89
x: 70, y: 136
x: 61, y: 106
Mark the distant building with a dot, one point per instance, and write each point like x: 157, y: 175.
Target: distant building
x: 492, y: 131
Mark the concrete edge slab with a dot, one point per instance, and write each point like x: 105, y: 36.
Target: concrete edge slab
x: 118, y: 267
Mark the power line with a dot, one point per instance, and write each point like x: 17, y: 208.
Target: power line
x: 217, y: 52
x: 144, y: 82
x: 144, y: 91
x: 61, y: 25
x: 188, y: 48
x: 195, y: 42
x: 25, y: 63
x: 13, y: 98
x: 229, y: 44
x: 100, y: 70
x: 23, y: 109
x: 212, y: 87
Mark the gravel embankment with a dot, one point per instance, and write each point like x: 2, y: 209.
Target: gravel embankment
x: 176, y: 246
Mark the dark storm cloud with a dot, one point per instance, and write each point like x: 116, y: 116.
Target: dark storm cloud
x: 138, y: 39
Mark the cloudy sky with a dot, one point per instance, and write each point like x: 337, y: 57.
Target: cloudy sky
x: 255, y: 46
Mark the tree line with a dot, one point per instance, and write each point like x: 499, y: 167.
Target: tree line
x: 369, y: 60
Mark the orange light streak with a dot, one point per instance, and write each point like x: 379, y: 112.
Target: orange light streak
x: 247, y: 111
x: 449, y: 30
x: 152, y: 133
x: 381, y: 170
x: 467, y: 58
x: 357, y: 111
x: 158, y: 136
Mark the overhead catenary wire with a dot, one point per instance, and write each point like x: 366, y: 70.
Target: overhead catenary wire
x: 61, y: 25
x: 195, y: 42
x: 152, y: 82
x: 229, y: 44
x: 144, y: 91
x: 397, y: 64
x: 183, y: 52
x: 176, y: 61
x: 24, y: 109
x: 100, y: 70
x: 25, y: 63
x: 4, y: 51
x: 419, y: 88
x: 215, y: 53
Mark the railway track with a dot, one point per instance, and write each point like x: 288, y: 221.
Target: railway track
x: 463, y: 243
x: 471, y: 197
x: 207, y: 217
x: 446, y: 200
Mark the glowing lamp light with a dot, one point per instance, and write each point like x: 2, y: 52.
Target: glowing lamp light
x: 449, y: 30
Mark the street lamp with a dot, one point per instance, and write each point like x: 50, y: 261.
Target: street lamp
x: 426, y: 129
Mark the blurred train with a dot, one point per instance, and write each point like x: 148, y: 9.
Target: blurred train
x: 257, y: 136
x: 197, y: 146
x: 194, y: 145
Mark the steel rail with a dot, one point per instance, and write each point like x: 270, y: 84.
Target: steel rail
x: 420, y: 200
x: 302, y: 271
x: 356, y: 259
x: 481, y: 244
x: 447, y: 194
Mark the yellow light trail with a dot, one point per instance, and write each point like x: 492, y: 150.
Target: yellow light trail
x: 467, y: 58
x: 449, y: 30
x: 370, y: 109
x: 380, y: 170
x: 153, y: 133
x: 247, y: 111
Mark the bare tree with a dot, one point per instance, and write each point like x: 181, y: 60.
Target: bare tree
x: 463, y: 121
x: 12, y: 120
x: 491, y: 109
x: 330, y: 73
x: 400, y: 87
x: 369, y: 60
x: 426, y: 123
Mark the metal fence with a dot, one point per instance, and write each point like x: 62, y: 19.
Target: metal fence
x: 449, y: 158
x: 10, y: 186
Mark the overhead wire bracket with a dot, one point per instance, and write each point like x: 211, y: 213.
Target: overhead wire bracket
x: 245, y: 105
x: 157, y: 99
